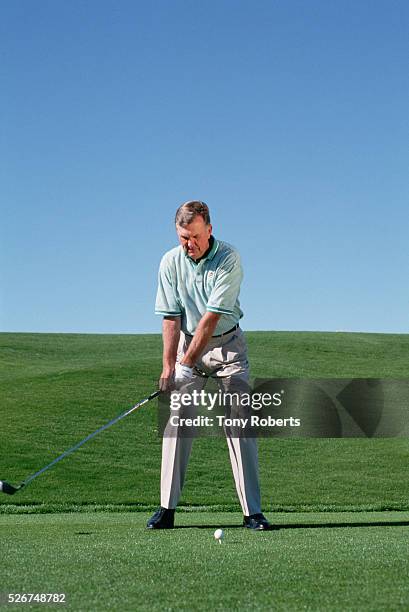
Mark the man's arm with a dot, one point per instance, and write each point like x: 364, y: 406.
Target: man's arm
x: 170, y: 337
x: 204, y: 332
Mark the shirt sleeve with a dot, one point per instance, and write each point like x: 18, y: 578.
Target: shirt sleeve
x: 166, y: 299
x: 226, y: 289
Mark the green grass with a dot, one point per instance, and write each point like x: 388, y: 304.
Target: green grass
x: 80, y: 528
x: 109, y: 561
x: 56, y: 389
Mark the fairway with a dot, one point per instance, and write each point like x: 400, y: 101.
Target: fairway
x: 56, y: 389
x: 315, y: 561
x: 342, y: 505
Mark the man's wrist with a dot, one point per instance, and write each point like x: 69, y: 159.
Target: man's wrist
x: 187, y: 362
x: 167, y: 371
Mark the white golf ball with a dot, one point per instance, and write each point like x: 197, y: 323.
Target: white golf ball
x: 219, y: 535
x: 1, y: 485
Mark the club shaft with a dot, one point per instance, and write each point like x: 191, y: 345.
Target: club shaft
x: 90, y: 436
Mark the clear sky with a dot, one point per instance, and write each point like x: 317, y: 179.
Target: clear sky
x: 289, y: 118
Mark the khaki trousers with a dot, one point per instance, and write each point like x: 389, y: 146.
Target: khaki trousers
x: 225, y: 361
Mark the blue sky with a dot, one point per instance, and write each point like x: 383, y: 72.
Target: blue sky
x: 289, y: 118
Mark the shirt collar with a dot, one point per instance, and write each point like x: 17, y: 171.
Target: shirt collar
x: 210, y: 253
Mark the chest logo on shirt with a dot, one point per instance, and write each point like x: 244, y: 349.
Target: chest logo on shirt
x: 210, y: 275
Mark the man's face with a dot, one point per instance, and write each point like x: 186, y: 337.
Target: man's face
x: 194, y: 237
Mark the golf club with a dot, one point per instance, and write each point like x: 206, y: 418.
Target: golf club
x: 6, y: 487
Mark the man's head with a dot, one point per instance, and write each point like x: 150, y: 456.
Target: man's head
x: 193, y: 228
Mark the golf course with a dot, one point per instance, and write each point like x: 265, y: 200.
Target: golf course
x: 341, y: 506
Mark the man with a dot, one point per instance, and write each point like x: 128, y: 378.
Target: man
x: 198, y: 288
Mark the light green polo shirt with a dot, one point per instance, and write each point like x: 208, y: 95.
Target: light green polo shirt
x: 189, y: 289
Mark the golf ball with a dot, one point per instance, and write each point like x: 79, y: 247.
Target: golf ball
x: 219, y: 535
x: 1, y: 485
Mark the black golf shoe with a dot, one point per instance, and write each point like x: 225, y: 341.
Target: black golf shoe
x: 258, y: 522
x: 162, y: 519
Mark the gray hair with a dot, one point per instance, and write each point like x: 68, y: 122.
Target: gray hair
x: 186, y: 213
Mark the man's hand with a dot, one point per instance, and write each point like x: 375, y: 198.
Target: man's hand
x: 167, y: 380
x: 183, y: 373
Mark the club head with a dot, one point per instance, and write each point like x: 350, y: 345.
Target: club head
x: 6, y: 487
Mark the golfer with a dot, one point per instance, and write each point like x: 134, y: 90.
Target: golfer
x: 198, y: 289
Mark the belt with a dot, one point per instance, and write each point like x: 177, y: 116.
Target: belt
x: 218, y: 335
